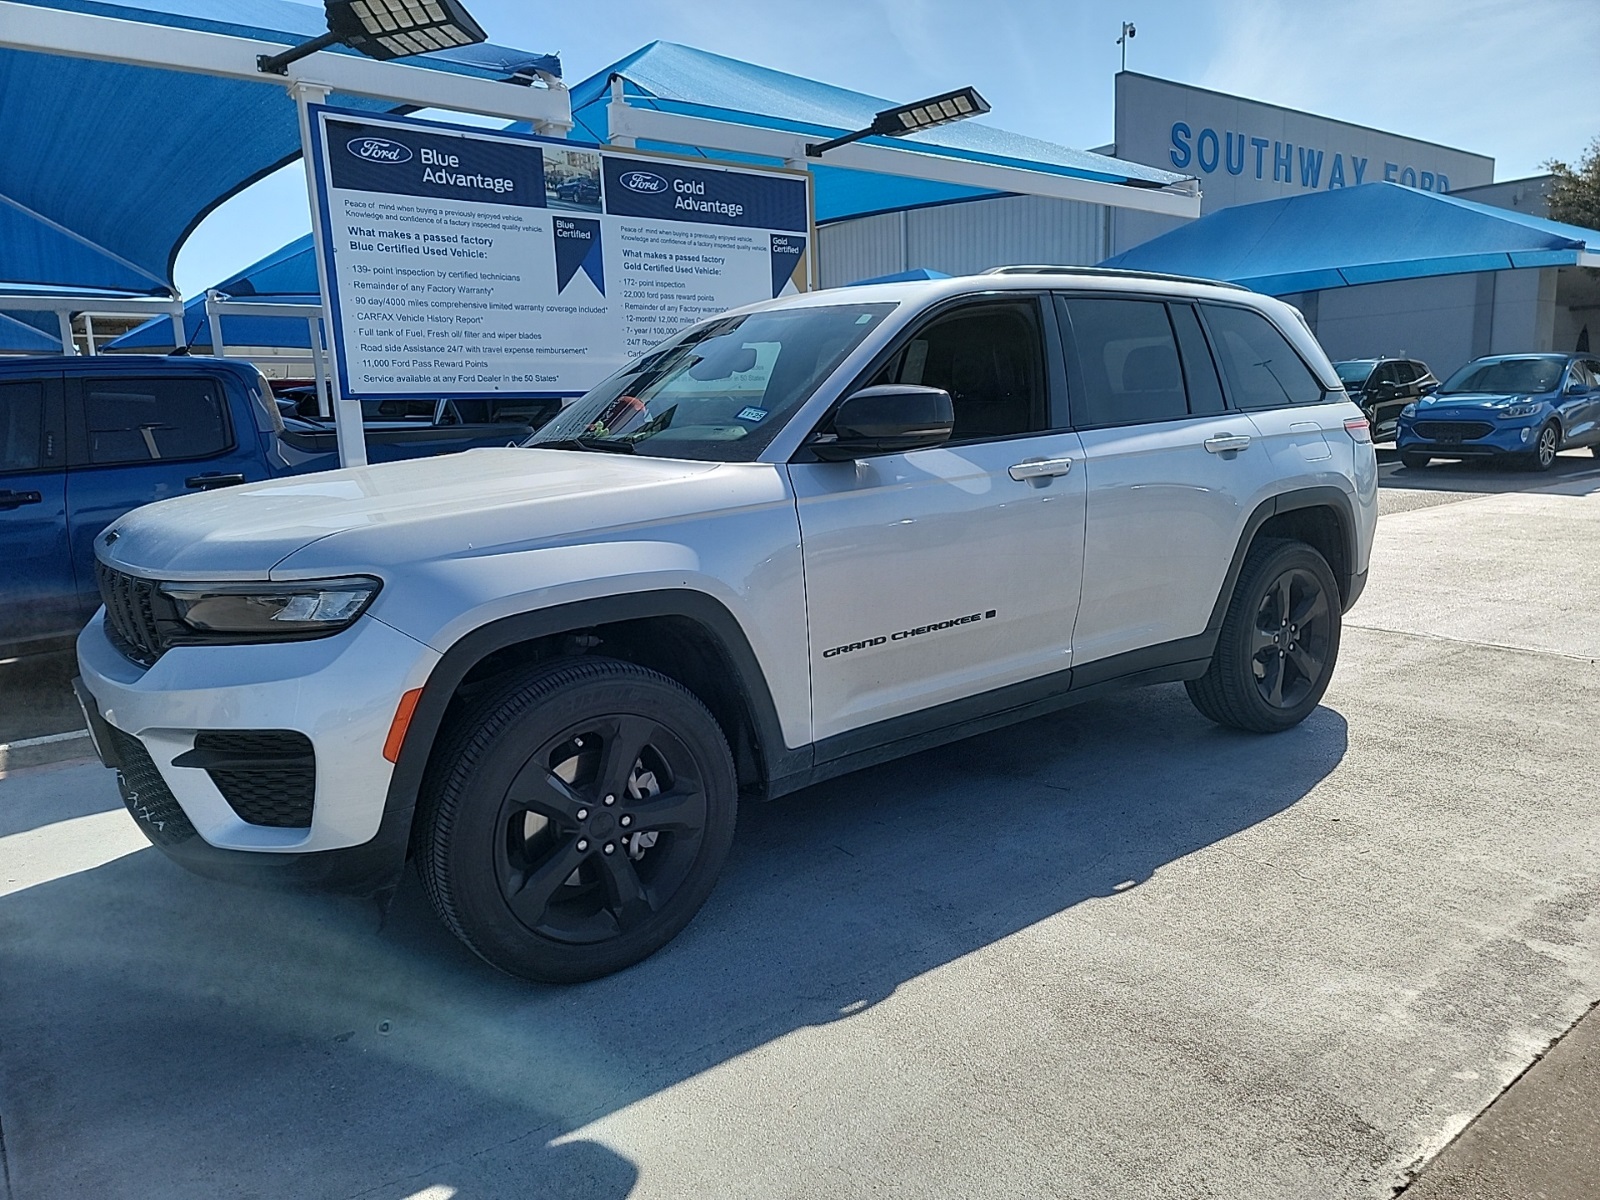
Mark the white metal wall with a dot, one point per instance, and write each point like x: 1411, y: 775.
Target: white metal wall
x: 960, y: 239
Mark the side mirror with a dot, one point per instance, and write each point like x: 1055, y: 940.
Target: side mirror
x: 1427, y: 389
x: 1575, y: 387
x: 888, y: 419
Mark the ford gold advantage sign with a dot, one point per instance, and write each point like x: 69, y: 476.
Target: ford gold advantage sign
x: 467, y: 263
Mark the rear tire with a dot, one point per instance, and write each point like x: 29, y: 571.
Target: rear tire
x: 1278, y: 644
x: 574, y: 820
x: 1412, y: 461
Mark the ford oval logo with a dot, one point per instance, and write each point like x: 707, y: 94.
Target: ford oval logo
x: 643, y: 181
x: 375, y: 149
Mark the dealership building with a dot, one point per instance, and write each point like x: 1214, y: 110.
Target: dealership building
x: 1456, y: 266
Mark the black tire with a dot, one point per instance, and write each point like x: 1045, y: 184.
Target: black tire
x: 1271, y: 667
x: 1548, y: 444
x: 1413, y: 461
x: 521, y: 853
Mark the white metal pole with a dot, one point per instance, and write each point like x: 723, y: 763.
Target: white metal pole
x: 64, y: 324
x: 88, y: 330
x: 346, y: 412
x: 214, y: 324
x: 319, y: 368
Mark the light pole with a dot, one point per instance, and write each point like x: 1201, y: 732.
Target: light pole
x: 1127, y: 35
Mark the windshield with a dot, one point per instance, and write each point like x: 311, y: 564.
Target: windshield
x: 720, y: 390
x: 1507, y: 375
x: 1353, y: 374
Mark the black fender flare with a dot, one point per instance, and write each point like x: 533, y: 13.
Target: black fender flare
x: 1326, y: 496
x: 472, y: 648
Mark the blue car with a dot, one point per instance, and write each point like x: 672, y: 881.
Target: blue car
x: 1523, y: 407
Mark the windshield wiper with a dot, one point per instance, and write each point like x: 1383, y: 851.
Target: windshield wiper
x: 604, y: 445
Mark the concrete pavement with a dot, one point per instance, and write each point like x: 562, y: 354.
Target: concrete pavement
x: 1115, y: 952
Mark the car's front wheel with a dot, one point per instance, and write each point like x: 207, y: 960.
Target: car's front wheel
x: 1543, y: 455
x: 1278, y: 644
x: 575, y: 819
x: 1413, y: 461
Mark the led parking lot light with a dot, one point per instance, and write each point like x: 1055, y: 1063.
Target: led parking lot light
x: 385, y: 29
x: 913, y: 118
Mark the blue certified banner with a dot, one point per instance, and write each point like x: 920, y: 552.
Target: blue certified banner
x: 667, y: 191
x: 419, y: 162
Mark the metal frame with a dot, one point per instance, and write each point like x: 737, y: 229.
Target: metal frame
x: 219, y: 305
x: 64, y: 305
x: 629, y: 124
x: 110, y: 39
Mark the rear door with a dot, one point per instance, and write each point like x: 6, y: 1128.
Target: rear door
x: 146, y: 438
x: 1172, y: 474
x: 37, y: 596
x: 936, y: 575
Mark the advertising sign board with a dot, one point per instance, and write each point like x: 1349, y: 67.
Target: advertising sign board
x: 464, y: 262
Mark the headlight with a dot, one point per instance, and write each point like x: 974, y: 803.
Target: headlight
x: 247, y: 612
x: 1514, y: 411
x: 1408, y: 412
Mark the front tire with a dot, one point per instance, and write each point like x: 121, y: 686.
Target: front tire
x: 574, y: 820
x: 1278, y: 644
x: 1543, y: 455
x: 1412, y: 461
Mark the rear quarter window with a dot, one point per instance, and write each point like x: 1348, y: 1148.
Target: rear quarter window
x: 1261, y: 368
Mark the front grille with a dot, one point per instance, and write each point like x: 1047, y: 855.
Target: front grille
x: 138, y: 616
x: 146, y: 794
x: 1453, y: 431
x: 267, y: 776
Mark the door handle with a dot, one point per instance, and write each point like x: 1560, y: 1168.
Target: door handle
x: 18, y: 499
x: 1221, y: 443
x: 214, y: 480
x: 1040, y: 468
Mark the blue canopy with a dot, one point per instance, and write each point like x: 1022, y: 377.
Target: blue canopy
x: 17, y: 338
x: 1366, y: 234
x: 286, y: 276
x: 681, y: 79
x: 108, y: 167
x: 911, y: 276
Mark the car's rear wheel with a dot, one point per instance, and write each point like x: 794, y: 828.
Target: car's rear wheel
x: 1545, y: 447
x: 1278, y: 644
x: 574, y: 820
x: 1414, y: 462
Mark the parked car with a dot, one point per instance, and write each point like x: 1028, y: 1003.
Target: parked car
x: 1382, y: 387
x: 797, y: 539
x: 1523, y: 407
x: 85, y: 439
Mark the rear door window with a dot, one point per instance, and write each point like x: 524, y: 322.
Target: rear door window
x: 1261, y: 368
x: 21, y: 427
x: 1127, y: 365
x: 148, y: 420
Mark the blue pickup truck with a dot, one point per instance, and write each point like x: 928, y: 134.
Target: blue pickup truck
x: 83, y: 440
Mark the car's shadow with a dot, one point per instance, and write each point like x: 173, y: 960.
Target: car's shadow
x: 164, y: 1035
x: 1482, y: 475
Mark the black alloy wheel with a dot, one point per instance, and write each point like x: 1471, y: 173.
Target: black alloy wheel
x: 1278, y: 644
x: 578, y: 819
x: 1545, y: 448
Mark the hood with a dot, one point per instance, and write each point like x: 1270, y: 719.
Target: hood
x: 402, y: 511
x: 1435, y: 403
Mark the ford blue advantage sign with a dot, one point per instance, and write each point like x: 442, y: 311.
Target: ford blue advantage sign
x: 670, y: 191
x: 471, y: 262
x: 381, y: 158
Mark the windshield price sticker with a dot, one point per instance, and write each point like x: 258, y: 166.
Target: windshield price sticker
x: 465, y: 262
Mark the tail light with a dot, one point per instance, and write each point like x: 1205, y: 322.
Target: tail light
x: 1358, y: 429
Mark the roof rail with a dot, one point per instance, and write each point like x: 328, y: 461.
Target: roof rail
x: 1112, y: 273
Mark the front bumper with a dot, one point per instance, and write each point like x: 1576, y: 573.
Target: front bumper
x: 340, y: 693
x: 1502, y: 438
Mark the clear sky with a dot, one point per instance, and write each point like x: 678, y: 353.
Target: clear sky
x: 1514, y: 79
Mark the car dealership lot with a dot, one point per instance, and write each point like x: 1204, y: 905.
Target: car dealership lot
x: 1112, y: 952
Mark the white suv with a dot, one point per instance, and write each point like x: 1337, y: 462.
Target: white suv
x: 797, y: 539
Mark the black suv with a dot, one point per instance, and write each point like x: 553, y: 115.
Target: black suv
x: 1382, y: 387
